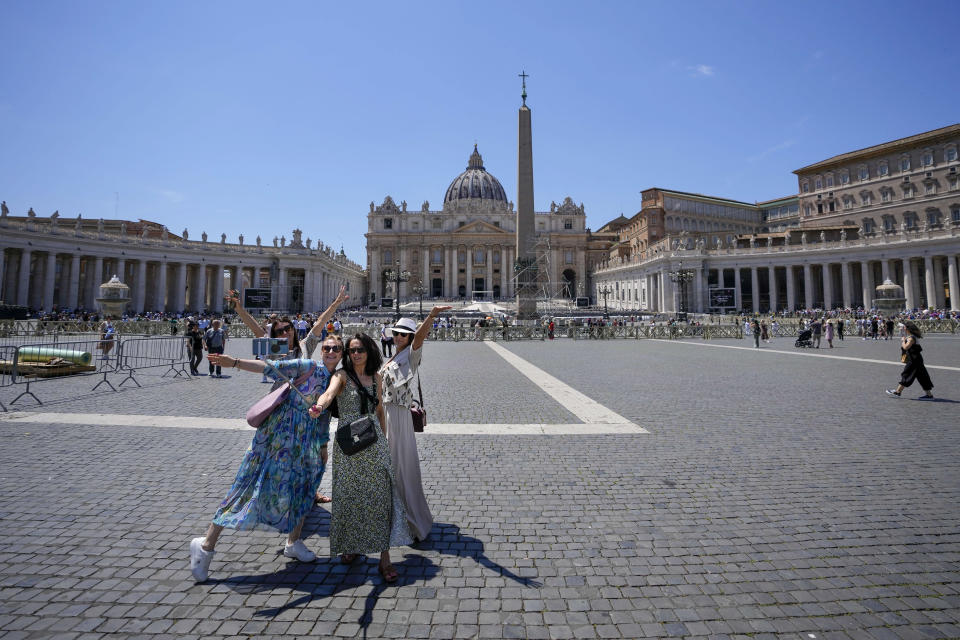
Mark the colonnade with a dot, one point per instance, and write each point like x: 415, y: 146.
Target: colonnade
x: 806, y: 281
x: 445, y: 277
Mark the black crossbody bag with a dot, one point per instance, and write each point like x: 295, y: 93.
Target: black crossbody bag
x: 356, y: 435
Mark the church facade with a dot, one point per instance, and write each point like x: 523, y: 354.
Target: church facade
x: 467, y: 248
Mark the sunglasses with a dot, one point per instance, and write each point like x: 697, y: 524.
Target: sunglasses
x: 284, y: 329
x: 331, y: 348
x: 357, y: 350
x: 400, y: 334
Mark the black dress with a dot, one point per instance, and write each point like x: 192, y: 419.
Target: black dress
x: 914, y: 369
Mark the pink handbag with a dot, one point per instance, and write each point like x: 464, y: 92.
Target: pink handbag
x: 257, y: 414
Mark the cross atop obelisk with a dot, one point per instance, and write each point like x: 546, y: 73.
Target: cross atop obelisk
x: 525, y: 267
x: 523, y: 74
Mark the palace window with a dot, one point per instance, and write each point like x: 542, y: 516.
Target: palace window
x: 496, y: 257
x: 540, y: 226
x: 460, y: 223
x: 568, y: 224
x: 930, y: 188
x: 889, y: 224
x: 954, y: 183
x: 933, y: 217
x: 568, y: 257
x: 388, y: 223
x: 461, y: 257
x: 844, y: 178
x: 437, y: 256
x: 905, y: 163
x: 868, y: 226
x: 818, y: 183
x: 805, y: 186
x: 807, y: 210
x: 866, y: 198
x: 950, y: 155
x: 955, y: 214
x: 497, y: 224
x: 478, y: 256
x: 848, y: 202
x: 416, y: 226
x: 927, y: 158
x: 387, y: 256
x: 830, y: 180
x: 864, y: 173
x: 907, y: 191
x: 910, y: 218
x: 436, y: 224
x: 886, y: 194
x: 883, y: 168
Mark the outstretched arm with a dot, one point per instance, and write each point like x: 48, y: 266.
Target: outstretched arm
x: 230, y: 362
x: 245, y: 316
x: 424, y: 329
x: 326, y: 398
x: 326, y: 315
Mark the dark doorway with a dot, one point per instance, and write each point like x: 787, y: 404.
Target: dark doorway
x: 437, y: 288
x: 569, y: 285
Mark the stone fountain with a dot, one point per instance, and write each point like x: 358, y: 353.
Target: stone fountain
x: 889, y: 299
x: 114, y: 296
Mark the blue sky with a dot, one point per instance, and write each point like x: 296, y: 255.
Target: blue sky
x: 256, y: 118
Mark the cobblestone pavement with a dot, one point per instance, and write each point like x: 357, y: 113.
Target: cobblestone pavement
x: 776, y: 496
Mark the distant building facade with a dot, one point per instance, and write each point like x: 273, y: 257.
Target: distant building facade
x: 48, y: 263
x: 467, y: 248
x: 888, y: 212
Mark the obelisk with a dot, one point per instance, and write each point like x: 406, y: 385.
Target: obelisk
x: 525, y: 267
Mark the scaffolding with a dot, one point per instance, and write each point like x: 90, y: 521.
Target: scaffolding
x: 534, y: 276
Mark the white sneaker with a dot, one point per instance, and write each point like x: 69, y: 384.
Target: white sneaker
x: 199, y: 560
x: 299, y: 551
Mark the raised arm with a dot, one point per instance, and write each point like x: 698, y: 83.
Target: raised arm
x: 258, y: 331
x: 326, y: 315
x: 380, y: 414
x: 424, y: 329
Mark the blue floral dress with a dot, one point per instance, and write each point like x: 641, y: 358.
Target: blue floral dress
x: 281, y: 470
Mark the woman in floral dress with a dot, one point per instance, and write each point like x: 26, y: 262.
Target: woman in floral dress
x: 368, y: 514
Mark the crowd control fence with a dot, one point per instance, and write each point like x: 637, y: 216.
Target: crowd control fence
x: 7, y: 354
x: 137, y: 354
x: 48, y: 363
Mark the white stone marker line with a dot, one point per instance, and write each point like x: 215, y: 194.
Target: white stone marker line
x: 590, y: 411
x: 802, y: 353
x: 194, y: 422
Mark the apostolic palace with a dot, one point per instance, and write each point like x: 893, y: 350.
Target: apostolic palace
x: 887, y: 212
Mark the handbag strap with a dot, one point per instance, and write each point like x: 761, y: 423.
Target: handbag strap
x: 419, y: 389
x: 364, y: 394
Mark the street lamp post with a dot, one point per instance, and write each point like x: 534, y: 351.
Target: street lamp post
x: 605, y: 292
x: 681, y: 277
x: 397, y: 276
x: 420, y: 289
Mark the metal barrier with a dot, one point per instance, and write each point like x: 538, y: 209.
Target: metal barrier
x: 36, y: 363
x: 7, y: 354
x: 146, y: 353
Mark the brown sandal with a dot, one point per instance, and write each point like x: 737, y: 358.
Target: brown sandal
x: 322, y: 499
x: 388, y: 573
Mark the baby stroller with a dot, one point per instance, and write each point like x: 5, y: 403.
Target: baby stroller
x: 804, y: 339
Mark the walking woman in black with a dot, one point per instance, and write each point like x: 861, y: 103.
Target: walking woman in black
x: 910, y: 354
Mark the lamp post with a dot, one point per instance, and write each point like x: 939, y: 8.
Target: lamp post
x: 420, y: 289
x: 605, y: 292
x: 681, y: 277
x: 397, y: 276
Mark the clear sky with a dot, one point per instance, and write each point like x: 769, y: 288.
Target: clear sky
x: 256, y: 118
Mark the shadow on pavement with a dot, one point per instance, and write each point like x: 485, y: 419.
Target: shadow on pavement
x: 451, y: 542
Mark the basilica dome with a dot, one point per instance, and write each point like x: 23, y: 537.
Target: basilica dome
x: 475, y: 184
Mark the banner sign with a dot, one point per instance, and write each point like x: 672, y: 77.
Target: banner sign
x: 256, y: 298
x: 723, y: 298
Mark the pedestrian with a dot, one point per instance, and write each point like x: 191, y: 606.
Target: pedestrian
x: 889, y: 326
x: 215, y: 341
x: 281, y: 469
x: 840, y: 328
x: 194, y: 347
x: 108, y: 336
x: 386, y: 341
x: 550, y: 329
x: 817, y: 330
x: 755, y: 332
x: 764, y: 335
x: 914, y: 369
x: 397, y: 395
x: 368, y: 515
x: 874, y: 327
x: 828, y: 332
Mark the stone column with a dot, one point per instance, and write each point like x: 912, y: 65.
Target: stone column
x: 73, y: 289
x: 283, y: 300
x: 198, y: 289
x: 488, y: 280
x: 97, y: 280
x: 236, y: 282
x: 469, y: 282
x: 928, y: 276
x: 140, y: 290
x: 448, y: 258
x: 504, y: 271
x: 772, y: 286
x: 3, y: 270
x: 941, y: 301
x: 953, y: 283
x: 866, y: 283
x: 807, y: 287
x: 884, y: 270
x: 908, y: 292
x: 122, y: 270
x: 827, y: 287
x: 217, y: 302
x: 426, y: 272
x: 160, y: 302
x: 791, y: 289
x: 49, y: 282
x: 403, y: 289
x: 755, y: 289
x: 374, y: 276
x: 737, y: 290
x: 180, y: 294
x: 845, y: 281
x: 63, y: 284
